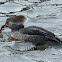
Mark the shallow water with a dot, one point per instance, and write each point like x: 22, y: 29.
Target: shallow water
x: 43, y: 13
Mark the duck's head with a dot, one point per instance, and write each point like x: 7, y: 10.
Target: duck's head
x: 15, y: 20
x: 15, y: 23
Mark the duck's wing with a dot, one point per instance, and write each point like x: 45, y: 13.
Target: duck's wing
x: 40, y: 31
x: 33, y: 30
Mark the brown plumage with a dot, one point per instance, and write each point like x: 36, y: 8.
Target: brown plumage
x: 16, y: 19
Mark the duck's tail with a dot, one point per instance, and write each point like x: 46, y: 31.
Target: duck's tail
x: 56, y: 39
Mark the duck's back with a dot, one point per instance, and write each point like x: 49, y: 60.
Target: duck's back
x: 34, y: 30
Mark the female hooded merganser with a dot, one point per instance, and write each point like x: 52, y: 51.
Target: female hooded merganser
x: 36, y: 35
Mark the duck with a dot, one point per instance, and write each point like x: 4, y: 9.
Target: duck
x: 34, y: 34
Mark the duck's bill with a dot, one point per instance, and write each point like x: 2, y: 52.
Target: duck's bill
x: 2, y: 28
x: 5, y: 26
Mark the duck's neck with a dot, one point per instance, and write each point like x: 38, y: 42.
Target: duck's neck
x: 16, y: 27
